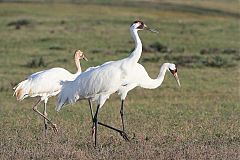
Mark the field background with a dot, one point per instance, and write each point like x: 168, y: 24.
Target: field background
x: 200, y: 120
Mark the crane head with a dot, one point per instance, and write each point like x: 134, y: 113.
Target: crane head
x: 80, y: 55
x: 139, y: 25
x: 173, y: 69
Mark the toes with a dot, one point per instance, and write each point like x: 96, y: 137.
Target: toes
x: 125, y: 136
x: 55, y: 128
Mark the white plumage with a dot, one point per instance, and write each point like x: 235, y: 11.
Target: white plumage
x: 47, y: 83
x: 98, y: 83
x: 95, y: 84
x: 142, y: 79
x: 44, y: 84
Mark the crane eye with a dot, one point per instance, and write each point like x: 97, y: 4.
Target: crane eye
x: 141, y: 26
x: 173, y: 71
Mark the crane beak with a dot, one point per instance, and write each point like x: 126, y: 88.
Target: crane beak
x: 85, y: 58
x: 177, y: 79
x: 150, y: 29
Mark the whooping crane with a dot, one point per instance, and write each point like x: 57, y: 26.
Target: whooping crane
x: 98, y: 83
x: 45, y: 84
x: 141, y: 79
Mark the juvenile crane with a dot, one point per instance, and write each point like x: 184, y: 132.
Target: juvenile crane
x: 98, y: 83
x: 45, y: 84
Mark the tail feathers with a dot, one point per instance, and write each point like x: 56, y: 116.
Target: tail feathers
x: 21, y: 91
x: 67, y: 95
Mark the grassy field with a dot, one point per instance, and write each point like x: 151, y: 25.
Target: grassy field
x: 200, y: 120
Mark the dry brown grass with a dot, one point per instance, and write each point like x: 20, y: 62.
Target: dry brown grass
x: 200, y: 120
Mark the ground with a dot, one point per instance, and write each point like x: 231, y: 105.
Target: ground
x: 200, y: 120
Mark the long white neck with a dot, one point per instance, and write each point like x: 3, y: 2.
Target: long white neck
x: 154, y: 83
x: 136, y: 54
x: 79, y: 69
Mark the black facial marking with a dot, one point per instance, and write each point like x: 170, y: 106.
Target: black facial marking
x: 141, y: 26
x: 173, y: 71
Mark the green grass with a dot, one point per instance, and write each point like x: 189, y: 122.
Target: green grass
x: 200, y: 120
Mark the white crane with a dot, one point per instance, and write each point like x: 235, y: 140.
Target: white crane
x: 45, y: 84
x: 98, y: 83
x: 140, y: 78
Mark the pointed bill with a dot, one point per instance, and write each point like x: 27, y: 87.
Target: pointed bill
x: 177, y: 79
x: 150, y: 29
x: 85, y: 58
x: 153, y: 30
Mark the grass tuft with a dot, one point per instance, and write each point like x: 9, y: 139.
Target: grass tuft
x: 156, y: 47
x: 36, y: 62
x: 19, y: 23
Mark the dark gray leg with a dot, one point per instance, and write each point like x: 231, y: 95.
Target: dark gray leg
x: 45, y: 121
x: 121, y: 113
x: 95, y: 123
x: 36, y: 110
x: 90, y: 106
x: 122, y: 133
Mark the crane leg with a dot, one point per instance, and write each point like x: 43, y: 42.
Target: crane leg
x: 36, y: 110
x: 95, y: 123
x: 45, y: 121
x: 121, y: 113
x: 90, y: 106
x: 122, y: 133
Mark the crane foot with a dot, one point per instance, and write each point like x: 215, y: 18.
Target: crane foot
x: 124, y: 135
x: 54, y: 126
